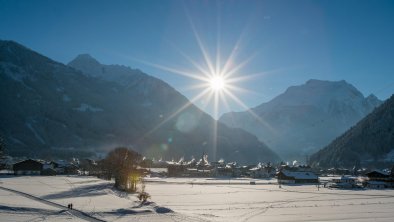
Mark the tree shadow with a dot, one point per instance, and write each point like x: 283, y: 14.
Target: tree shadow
x: 84, y: 191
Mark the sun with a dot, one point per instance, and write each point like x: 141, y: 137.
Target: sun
x: 217, y: 83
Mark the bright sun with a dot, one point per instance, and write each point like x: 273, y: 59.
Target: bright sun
x: 217, y: 83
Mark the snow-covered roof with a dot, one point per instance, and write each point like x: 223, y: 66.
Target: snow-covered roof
x: 300, y: 175
x: 345, y: 177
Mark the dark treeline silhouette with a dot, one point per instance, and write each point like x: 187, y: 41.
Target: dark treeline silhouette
x: 367, y: 143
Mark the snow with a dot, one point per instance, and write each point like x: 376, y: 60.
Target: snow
x: 86, y: 107
x: 191, y: 199
x: 38, y: 137
x: 93, y: 196
x: 390, y: 156
x: 320, y: 94
x: 17, y: 74
x: 15, y: 140
x: 66, y: 98
x: 268, y: 202
x: 60, y: 89
x: 14, y: 207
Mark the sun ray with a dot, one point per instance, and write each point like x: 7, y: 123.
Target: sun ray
x: 233, y: 53
x: 258, y: 118
x: 201, y: 46
x: 174, y: 70
x: 243, y: 90
x: 194, y: 63
x: 196, y: 87
x: 218, y: 79
x: 246, y: 77
x: 215, y: 124
x: 189, y: 103
x: 239, y: 66
x: 218, y: 38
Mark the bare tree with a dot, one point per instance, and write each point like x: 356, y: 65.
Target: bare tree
x: 122, y: 164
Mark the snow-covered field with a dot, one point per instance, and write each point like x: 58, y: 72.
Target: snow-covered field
x: 268, y: 202
x: 90, y: 195
x: 191, y: 200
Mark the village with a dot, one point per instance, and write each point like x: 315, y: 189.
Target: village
x: 280, y: 174
x: 190, y: 191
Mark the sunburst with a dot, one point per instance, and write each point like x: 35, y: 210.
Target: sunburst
x: 217, y: 82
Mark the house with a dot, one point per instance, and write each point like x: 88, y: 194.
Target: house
x: 175, y: 170
x: 342, y: 182
x: 296, y: 177
x: 376, y: 184
x: 378, y: 179
x: 225, y: 171
x: 377, y: 175
x: 262, y: 171
x: 338, y: 171
x: 28, y: 167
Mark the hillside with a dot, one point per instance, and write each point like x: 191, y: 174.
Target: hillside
x: 53, y: 110
x: 370, y: 142
x: 304, y: 118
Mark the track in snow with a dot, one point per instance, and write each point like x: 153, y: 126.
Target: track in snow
x: 77, y: 213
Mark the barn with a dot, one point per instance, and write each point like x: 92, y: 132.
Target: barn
x: 378, y: 175
x: 28, y: 167
x: 291, y: 177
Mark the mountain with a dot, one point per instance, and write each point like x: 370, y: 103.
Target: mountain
x: 114, y: 73
x: 304, y: 118
x: 53, y: 110
x: 369, y: 142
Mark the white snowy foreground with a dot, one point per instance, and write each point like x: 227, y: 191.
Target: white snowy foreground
x: 212, y: 200
x: 186, y: 199
x: 50, y: 196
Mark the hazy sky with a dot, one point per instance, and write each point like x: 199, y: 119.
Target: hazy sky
x: 290, y: 41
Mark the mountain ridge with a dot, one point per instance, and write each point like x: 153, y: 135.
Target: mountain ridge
x: 368, y: 142
x: 304, y: 118
x: 51, y: 109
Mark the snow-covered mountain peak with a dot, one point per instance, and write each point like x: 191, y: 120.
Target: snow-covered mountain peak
x: 372, y: 99
x: 116, y: 73
x: 87, y: 64
x: 305, y: 117
x: 326, y: 86
x: 318, y: 93
x: 85, y: 58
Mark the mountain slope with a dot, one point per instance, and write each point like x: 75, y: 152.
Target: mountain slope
x: 368, y: 142
x: 50, y: 109
x: 304, y: 118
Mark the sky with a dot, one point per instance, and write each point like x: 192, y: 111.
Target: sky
x: 274, y: 44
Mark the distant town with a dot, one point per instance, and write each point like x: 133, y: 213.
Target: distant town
x: 284, y: 173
